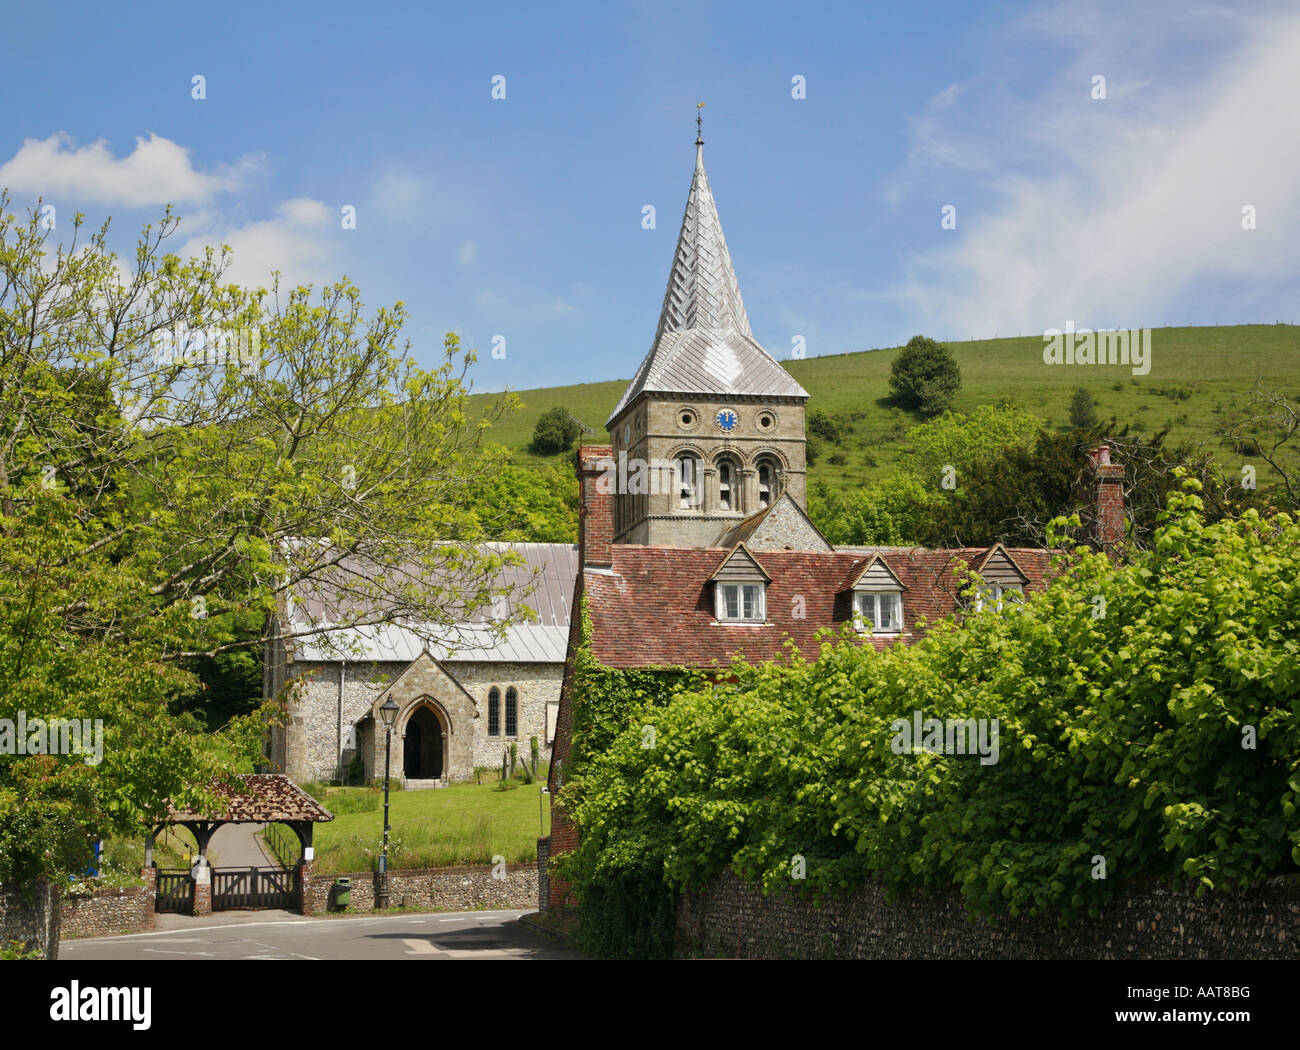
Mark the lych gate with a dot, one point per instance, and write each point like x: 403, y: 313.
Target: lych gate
x: 256, y: 798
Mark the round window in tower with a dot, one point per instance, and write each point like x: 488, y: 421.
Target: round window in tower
x: 766, y: 421
x: 686, y: 418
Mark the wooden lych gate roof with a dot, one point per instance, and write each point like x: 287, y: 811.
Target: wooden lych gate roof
x: 261, y: 798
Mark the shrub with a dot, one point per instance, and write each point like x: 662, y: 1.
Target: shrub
x: 1163, y: 736
x: 556, y: 431
x: 1083, y: 409
x: 924, y: 376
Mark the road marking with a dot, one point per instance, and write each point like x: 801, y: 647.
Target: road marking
x: 165, y: 951
x: 414, y: 947
x: 465, y: 916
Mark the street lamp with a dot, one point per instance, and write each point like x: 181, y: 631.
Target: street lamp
x: 388, y: 712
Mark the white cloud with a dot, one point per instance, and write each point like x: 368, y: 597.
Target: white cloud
x: 467, y: 253
x: 157, y: 171
x: 555, y: 308
x: 302, y: 241
x: 1113, y: 212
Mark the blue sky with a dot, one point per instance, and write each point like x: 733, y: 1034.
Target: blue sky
x: 522, y: 217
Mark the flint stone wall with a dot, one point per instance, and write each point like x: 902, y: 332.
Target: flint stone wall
x: 732, y: 919
x: 107, y: 912
x: 433, y: 889
x: 32, y: 917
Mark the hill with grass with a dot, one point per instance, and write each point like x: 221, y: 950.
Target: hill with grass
x: 1197, y: 376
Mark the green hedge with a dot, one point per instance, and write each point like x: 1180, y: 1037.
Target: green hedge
x: 1128, y: 698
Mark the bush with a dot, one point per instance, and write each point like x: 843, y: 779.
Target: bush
x: 1083, y: 409
x: 924, y: 377
x: 828, y: 427
x: 1163, y: 736
x: 556, y: 431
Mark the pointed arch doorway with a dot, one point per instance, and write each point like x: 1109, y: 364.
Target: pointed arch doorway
x: 424, y: 750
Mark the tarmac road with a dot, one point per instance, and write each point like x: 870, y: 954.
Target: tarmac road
x: 284, y: 935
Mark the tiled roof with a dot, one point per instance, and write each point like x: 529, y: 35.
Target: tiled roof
x: 655, y: 608
x: 261, y: 797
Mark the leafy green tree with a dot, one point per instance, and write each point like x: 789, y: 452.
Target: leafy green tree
x: 924, y: 376
x: 1083, y: 409
x: 959, y: 441
x: 889, y: 513
x: 1147, y: 712
x: 179, y: 458
x: 556, y: 431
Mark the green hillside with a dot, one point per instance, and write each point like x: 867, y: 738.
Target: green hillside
x: 1195, y: 374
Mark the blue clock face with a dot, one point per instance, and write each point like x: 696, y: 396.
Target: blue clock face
x: 726, y: 420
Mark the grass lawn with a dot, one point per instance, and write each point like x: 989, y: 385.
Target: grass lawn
x: 461, y: 824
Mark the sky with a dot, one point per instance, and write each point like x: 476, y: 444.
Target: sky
x: 520, y: 222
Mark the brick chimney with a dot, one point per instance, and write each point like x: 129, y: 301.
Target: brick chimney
x: 596, y: 506
x: 1109, y: 525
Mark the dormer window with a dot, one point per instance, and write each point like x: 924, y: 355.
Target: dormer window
x: 740, y: 588
x: 878, y: 599
x: 1001, y: 581
x: 880, y: 612
x: 741, y: 601
x: 998, y: 594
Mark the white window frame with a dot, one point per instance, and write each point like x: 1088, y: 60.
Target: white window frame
x: 720, y: 602
x: 993, y: 593
x: 862, y: 616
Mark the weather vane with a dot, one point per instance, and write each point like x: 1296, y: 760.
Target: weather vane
x: 699, y: 124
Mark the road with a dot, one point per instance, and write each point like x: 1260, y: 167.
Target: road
x: 283, y: 935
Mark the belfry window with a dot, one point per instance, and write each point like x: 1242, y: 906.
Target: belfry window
x: 769, y: 482
x: 728, y: 487
x: 687, y: 481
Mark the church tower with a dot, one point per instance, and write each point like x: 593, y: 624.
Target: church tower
x: 708, y: 401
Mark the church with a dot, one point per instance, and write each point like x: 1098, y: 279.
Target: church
x: 695, y: 545
x: 725, y: 561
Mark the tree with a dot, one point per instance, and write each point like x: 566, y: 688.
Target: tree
x: 179, y: 458
x: 556, y: 431
x: 1267, y: 428
x: 924, y: 376
x: 1165, y: 728
x: 1083, y: 409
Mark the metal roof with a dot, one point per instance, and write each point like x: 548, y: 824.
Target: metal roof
x: 549, y: 569
x: 523, y: 643
x: 703, y: 344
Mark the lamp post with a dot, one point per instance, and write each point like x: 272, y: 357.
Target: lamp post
x: 388, y: 712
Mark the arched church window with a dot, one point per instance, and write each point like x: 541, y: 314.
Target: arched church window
x: 769, y: 481
x: 687, y: 481
x: 512, y: 712
x: 494, y: 711
x: 728, y: 486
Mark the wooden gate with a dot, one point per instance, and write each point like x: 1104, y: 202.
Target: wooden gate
x: 174, y: 891
x: 253, y: 888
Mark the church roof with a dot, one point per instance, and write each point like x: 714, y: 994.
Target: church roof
x: 542, y: 582
x: 703, y: 344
